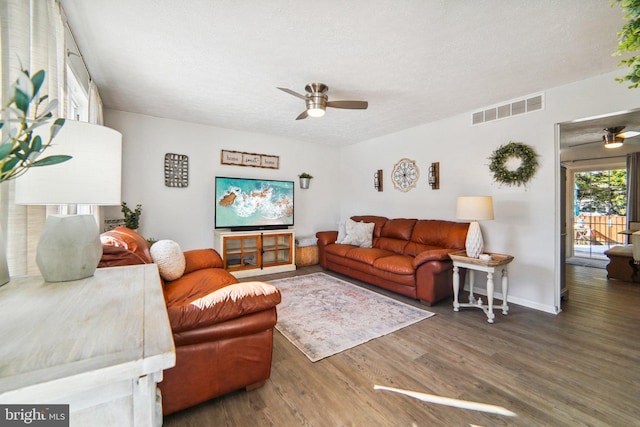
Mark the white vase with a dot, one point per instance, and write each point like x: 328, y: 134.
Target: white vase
x: 474, y: 243
x: 304, y: 183
x: 69, y: 248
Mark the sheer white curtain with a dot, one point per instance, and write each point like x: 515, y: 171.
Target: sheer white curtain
x: 31, y: 37
x: 633, y: 187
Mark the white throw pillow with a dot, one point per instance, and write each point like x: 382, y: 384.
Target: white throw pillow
x: 342, y: 232
x: 359, y: 233
x: 169, y: 258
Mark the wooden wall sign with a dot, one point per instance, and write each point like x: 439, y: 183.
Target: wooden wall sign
x: 238, y: 158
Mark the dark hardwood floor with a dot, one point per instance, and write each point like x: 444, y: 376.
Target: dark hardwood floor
x: 578, y: 368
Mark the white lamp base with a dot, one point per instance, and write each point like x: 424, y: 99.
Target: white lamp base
x: 69, y: 248
x: 474, y: 243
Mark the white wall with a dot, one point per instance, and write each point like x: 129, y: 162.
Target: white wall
x: 186, y: 214
x: 526, y: 218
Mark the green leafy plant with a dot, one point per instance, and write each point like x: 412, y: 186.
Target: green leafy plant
x: 20, y: 147
x: 629, y: 41
x: 131, y: 217
x: 305, y: 175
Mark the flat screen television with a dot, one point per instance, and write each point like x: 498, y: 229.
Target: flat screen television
x: 253, y: 204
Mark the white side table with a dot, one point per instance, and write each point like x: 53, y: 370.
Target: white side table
x: 498, y: 262
x: 98, y: 344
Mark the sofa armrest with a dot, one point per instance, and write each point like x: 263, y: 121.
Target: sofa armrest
x: 326, y: 237
x: 432, y: 255
x: 198, y: 259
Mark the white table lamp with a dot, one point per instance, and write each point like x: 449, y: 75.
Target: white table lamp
x: 474, y: 209
x: 69, y: 247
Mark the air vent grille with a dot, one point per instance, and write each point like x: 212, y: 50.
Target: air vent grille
x: 514, y: 108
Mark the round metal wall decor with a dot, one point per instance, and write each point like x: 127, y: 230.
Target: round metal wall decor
x: 405, y: 174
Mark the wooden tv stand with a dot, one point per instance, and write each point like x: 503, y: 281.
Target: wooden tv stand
x: 253, y: 253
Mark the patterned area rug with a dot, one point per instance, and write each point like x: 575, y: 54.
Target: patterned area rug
x: 323, y: 315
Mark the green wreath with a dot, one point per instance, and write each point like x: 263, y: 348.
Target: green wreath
x: 526, y: 170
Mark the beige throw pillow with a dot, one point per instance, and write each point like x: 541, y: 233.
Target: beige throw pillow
x: 359, y: 233
x: 169, y: 258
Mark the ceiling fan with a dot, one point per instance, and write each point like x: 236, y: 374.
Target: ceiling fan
x: 613, y: 137
x: 317, y: 101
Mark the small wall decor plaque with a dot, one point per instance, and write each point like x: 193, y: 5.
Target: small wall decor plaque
x: 239, y: 158
x: 176, y: 170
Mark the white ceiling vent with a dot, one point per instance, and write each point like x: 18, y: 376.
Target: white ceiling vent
x: 514, y: 108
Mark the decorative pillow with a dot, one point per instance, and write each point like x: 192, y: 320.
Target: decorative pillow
x: 342, y: 232
x: 170, y: 259
x: 359, y: 233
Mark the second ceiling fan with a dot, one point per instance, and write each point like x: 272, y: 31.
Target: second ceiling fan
x: 317, y: 101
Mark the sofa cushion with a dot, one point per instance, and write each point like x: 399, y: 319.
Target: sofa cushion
x: 124, y: 237
x: 169, y: 258
x: 392, y: 245
x: 359, y: 233
x: 198, y: 259
x: 196, y: 285
x: 400, y: 228
x: 398, y: 264
x: 367, y: 255
x: 225, y: 303
x: 441, y: 234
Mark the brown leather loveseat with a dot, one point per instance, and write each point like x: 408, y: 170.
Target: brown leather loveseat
x: 408, y: 256
x: 222, y: 329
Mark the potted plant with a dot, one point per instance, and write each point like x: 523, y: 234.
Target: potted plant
x: 131, y: 217
x: 20, y: 146
x: 304, y: 180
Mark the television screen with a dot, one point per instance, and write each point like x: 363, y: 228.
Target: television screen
x: 253, y: 204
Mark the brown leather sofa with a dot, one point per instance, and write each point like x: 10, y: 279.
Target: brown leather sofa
x: 222, y: 329
x: 409, y: 256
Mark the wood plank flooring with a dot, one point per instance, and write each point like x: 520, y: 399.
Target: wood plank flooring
x: 579, y: 368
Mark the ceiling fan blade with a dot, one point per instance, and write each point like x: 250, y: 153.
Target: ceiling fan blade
x: 302, y: 115
x: 353, y: 105
x: 628, y: 134
x: 291, y: 92
x: 585, y: 143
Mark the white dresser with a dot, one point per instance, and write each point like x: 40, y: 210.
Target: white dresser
x: 99, y: 344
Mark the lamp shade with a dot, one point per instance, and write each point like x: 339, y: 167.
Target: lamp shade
x: 91, y: 177
x: 69, y: 246
x: 474, y: 208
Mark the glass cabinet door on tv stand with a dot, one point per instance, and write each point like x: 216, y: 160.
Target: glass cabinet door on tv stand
x: 252, y: 253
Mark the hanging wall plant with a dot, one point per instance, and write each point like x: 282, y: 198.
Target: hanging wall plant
x: 517, y: 150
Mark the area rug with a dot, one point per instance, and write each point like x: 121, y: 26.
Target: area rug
x: 322, y: 315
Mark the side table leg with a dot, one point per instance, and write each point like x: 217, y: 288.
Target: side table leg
x: 472, y: 299
x: 490, y: 315
x: 456, y: 288
x: 505, y: 291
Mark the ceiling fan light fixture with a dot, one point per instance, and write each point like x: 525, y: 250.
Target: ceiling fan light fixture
x: 315, y: 112
x: 611, y: 140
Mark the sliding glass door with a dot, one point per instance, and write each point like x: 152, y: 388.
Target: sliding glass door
x: 600, y: 208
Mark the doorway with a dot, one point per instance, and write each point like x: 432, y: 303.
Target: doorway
x: 599, y: 208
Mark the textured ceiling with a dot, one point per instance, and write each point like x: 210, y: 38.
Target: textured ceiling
x: 415, y: 61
